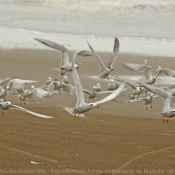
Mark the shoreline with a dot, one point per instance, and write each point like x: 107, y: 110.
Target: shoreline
x: 25, y: 39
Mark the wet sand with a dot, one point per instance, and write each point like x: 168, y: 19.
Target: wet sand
x: 117, y: 138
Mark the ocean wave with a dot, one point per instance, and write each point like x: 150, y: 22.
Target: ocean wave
x: 101, y: 5
x: 108, y: 5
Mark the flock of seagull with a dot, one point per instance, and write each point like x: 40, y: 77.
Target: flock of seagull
x: 144, y: 90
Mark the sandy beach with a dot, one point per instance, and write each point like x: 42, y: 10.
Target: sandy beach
x: 117, y: 138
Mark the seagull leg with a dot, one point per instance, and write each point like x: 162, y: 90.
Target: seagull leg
x: 3, y: 112
x: 163, y: 119
x: 78, y: 116
x: 167, y: 120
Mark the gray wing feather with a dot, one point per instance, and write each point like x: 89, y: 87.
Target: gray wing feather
x: 115, y: 52
x: 99, y: 61
x: 30, y: 112
x: 112, y: 95
x: 61, y: 48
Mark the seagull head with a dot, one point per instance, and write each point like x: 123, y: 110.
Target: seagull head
x: 93, y: 105
x: 145, y: 62
x: 76, y: 66
x: 8, y: 103
x: 111, y: 68
x: 7, y: 88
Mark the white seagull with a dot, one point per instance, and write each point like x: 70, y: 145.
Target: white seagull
x: 81, y: 105
x: 6, y: 105
x: 105, y: 71
x: 66, y: 65
x: 168, y: 111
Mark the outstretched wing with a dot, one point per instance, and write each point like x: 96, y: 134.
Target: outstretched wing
x: 85, y: 53
x: 131, y: 85
x: 61, y: 48
x: 78, y: 86
x: 112, y: 95
x: 99, y: 61
x: 115, y: 52
x: 30, y: 112
x: 19, y: 83
x: 3, y: 81
x: 136, y: 67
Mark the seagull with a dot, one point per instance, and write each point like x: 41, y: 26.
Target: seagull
x: 6, y: 105
x: 98, y: 87
x: 56, y: 86
x: 48, y: 83
x: 148, y: 100
x: 81, y: 105
x: 136, y: 90
x: 150, y: 77
x: 167, y: 110
x: 92, y: 94
x: 23, y: 93
x: 66, y: 65
x: 68, y: 88
x: 65, y: 80
x: 112, y: 85
x: 105, y: 71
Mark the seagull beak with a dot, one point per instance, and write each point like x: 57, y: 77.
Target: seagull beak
x: 96, y: 106
x: 77, y: 67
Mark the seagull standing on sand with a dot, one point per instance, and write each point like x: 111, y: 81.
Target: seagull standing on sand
x: 98, y: 87
x: 111, y: 85
x: 65, y: 80
x: 81, y: 105
x: 105, y: 71
x: 66, y: 65
x: 167, y: 110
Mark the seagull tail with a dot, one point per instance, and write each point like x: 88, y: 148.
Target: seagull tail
x: 71, y: 111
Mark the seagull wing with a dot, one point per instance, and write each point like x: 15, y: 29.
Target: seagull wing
x: 19, y: 83
x: 162, y: 93
x: 156, y: 90
x: 61, y: 48
x: 136, y: 67
x: 112, y: 95
x: 30, y: 112
x: 70, y: 89
x: 115, y: 52
x: 78, y: 86
x: 99, y: 61
x: 3, y: 81
x: 167, y: 72
x: 131, y: 85
x: 148, y: 72
x: 85, y: 53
